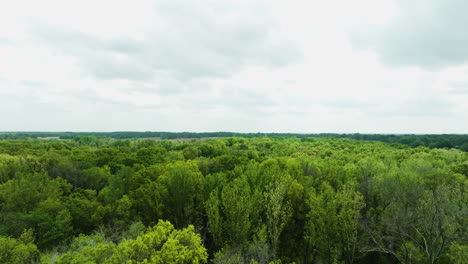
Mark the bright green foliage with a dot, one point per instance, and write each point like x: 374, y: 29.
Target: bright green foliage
x: 13, y: 251
x: 278, y: 211
x: 458, y: 253
x: 278, y: 199
x: 8, y: 164
x: 237, y: 203
x: 184, y: 246
x: 332, y: 224
x: 160, y: 244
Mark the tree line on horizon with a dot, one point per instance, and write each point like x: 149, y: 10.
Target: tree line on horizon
x: 458, y: 141
x: 231, y: 200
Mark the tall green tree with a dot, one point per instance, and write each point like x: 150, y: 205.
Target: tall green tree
x: 182, y: 193
x: 332, y: 225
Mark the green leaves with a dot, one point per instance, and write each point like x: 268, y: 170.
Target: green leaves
x: 332, y: 224
x: 14, y: 251
x: 422, y: 207
x: 255, y: 200
x: 277, y: 210
x: 161, y: 244
x: 237, y: 202
x: 183, y: 193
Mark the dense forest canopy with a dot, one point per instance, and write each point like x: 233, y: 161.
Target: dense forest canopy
x: 96, y: 198
x: 459, y: 141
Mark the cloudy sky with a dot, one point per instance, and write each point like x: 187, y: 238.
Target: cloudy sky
x: 367, y: 66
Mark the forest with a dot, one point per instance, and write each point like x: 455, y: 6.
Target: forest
x: 100, y: 198
x: 458, y: 141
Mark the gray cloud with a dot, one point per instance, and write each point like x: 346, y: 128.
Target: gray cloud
x: 4, y: 41
x: 231, y: 65
x: 427, y: 33
x: 351, y: 104
x: 249, y: 103
x: 458, y: 88
x: 424, y: 107
x: 34, y: 83
x: 243, y: 100
x: 188, y: 41
x: 416, y: 107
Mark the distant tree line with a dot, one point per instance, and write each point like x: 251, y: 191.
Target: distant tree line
x: 458, y: 141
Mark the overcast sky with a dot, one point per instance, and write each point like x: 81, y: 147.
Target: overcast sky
x: 366, y: 66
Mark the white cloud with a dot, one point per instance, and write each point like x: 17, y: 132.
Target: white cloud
x: 425, y: 33
x: 267, y: 66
